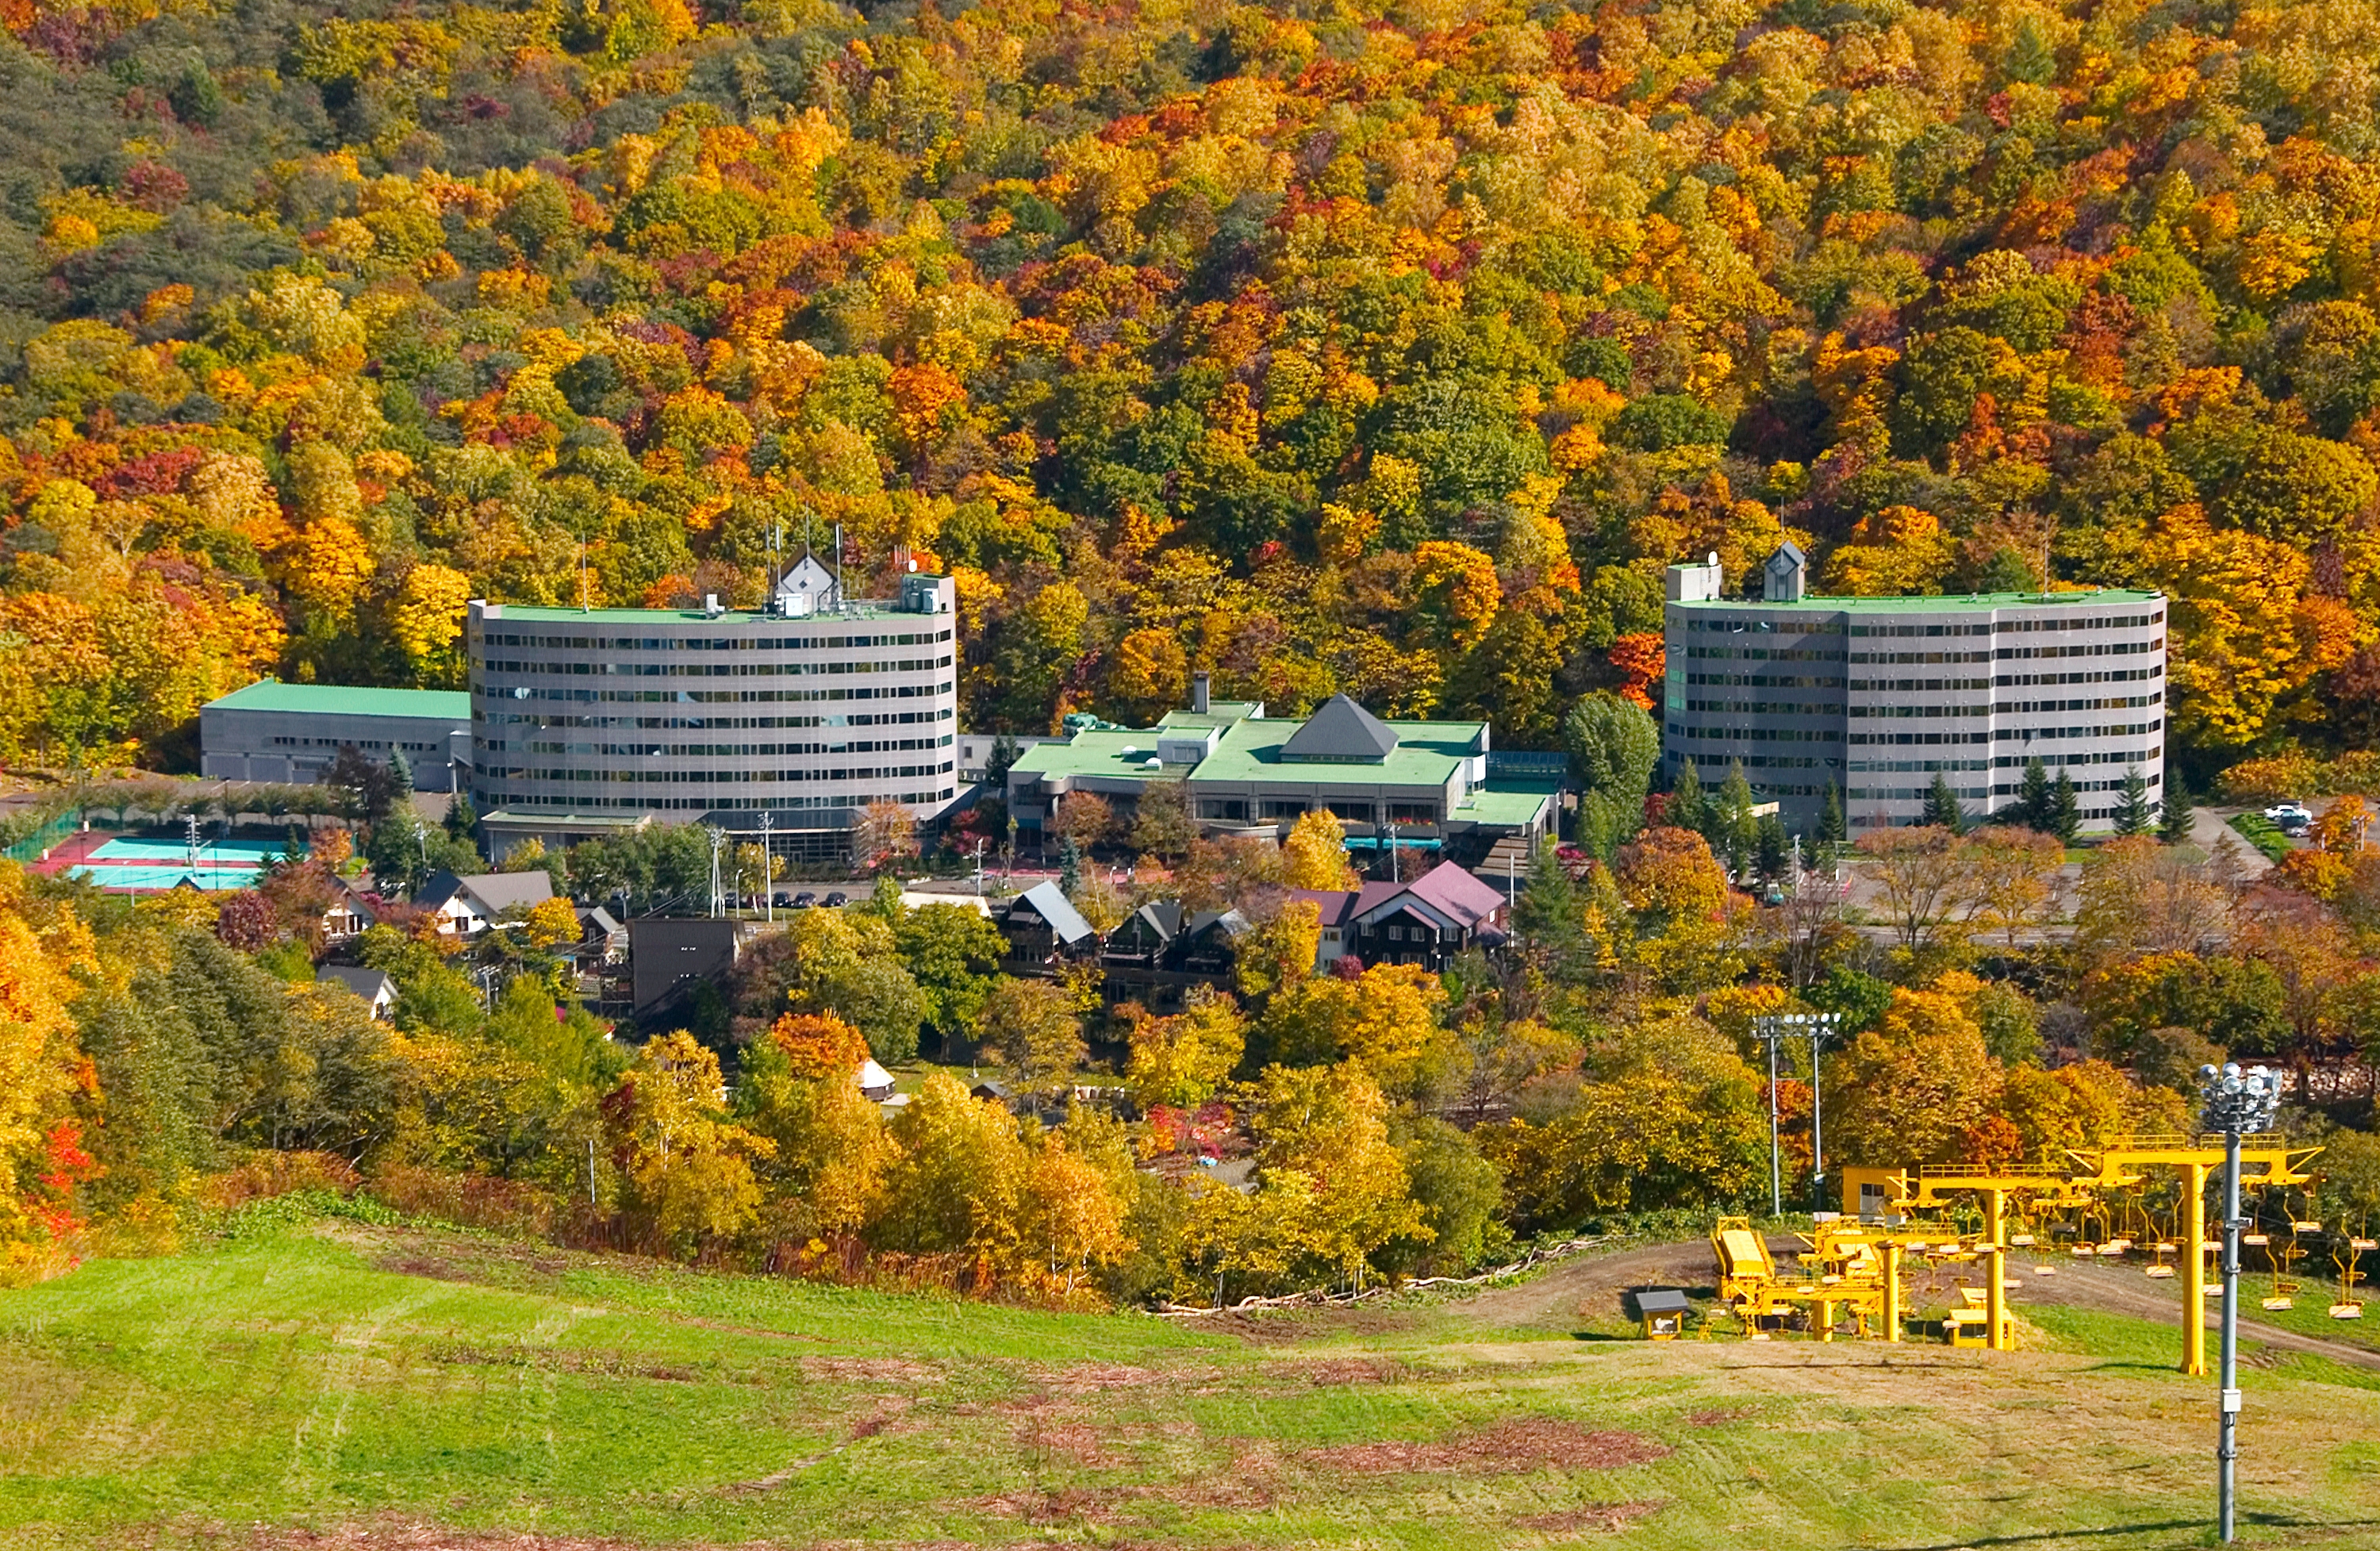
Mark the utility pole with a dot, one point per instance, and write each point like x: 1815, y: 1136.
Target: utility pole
x: 718, y: 889
x: 1773, y: 1029
x: 1769, y: 1030
x: 768, y: 867
x: 2234, y: 1103
x: 1820, y: 1027
x: 979, y: 866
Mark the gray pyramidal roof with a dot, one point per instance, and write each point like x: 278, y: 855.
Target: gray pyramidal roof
x: 1341, y: 729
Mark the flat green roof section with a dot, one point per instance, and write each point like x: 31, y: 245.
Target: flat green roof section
x: 518, y: 613
x: 333, y: 699
x: 1960, y: 603
x: 1101, y: 752
x: 1427, y: 755
x: 1509, y: 806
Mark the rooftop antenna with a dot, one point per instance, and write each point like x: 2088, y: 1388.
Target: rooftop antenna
x: 839, y: 602
x: 776, y: 553
x: 582, y: 577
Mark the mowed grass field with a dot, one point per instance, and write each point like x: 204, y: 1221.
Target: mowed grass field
x: 335, y: 1385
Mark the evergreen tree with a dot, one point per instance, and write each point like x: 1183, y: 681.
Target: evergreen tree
x: 2133, y: 816
x: 2173, y: 825
x: 2033, y: 798
x: 1687, y: 808
x: 1832, y: 831
x: 1772, y: 849
x: 1942, y: 807
x: 1733, y: 832
x: 2065, y: 810
x: 400, y: 776
x: 1070, y: 867
x: 1546, y: 916
x: 461, y: 818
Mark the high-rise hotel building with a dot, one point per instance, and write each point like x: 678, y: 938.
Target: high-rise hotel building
x: 587, y: 721
x: 1879, y: 695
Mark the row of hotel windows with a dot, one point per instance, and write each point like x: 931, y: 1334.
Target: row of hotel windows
x: 1738, y: 625
x: 690, y: 751
x: 357, y: 743
x: 1682, y: 734
x: 2000, y: 762
x: 699, y: 805
x: 2005, y: 707
x: 2011, y: 708
x: 717, y: 697
x: 705, y: 643
x: 1998, y: 654
x: 715, y: 669
x: 1237, y: 810
x: 722, y: 723
x: 1998, y: 680
x: 698, y: 778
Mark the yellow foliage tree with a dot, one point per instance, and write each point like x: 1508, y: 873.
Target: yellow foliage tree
x: 1315, y: 855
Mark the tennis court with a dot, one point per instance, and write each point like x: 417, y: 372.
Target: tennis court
x: 120, y: 879
x: 212, y: 854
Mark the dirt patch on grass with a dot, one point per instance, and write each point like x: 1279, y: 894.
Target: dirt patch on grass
x: 1071, y: 1441
x: 1719, y: 1416
x: 417, y: 1537
x: 1069, y: 1505
x: 1604, y: 1519
x: 1537, y: 1444
x: 1331, y: 1371
x: 610, y: 1364
x: 869, y: 1370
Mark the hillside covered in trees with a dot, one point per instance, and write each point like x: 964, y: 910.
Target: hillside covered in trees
x: 1324, y: 346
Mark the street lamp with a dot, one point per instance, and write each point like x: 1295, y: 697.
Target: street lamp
x: 1772, y: 1029
x: 2234, y: 1103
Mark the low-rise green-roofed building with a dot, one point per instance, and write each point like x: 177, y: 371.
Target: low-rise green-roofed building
x: 276, y: 732
x: 1427, y: 783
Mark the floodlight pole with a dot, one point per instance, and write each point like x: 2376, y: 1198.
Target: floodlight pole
x: 1821, y: 1028
x: 2234, y: 1102
x: 2227, y: 1447
x: 1769, y: 1028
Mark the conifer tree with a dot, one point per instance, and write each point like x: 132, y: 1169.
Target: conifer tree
x: 2173, y: 823
x: 1687, y: 808
x: 2033, y: 798
x: 2065, y: 810
x: 1942, y: 807
x: 2132, y: 816
x: 1832, y: 831
x: 1733, y: 831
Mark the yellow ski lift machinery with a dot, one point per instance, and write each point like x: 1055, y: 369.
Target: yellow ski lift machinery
x: 2281, y: 1252
x: 2029, y: 1188
x: 1849, y: 1268
x: 2264, y: 1161
x: 2347, y: 1253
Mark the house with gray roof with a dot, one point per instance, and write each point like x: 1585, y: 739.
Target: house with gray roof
x: 466, y: 906
x: 378, y: 991
x: 1042, y: 927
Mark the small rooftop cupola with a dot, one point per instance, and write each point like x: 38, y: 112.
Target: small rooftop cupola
x: 1341, y: 733
x: 808, y: 588
x: 1781, y: 577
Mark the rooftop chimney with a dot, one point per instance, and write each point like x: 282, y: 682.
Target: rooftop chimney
x: 1199, y: 683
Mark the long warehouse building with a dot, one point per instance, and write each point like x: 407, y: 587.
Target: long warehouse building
x: 1878, y: 694
x: 588, y: 722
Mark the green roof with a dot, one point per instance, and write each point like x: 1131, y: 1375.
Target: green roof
x: 511, y: 613
x: 1507, y: 803
x: 333, y: 699
x: 1099, y: 752
x: 1921, y: 605
x: 1427, y: 755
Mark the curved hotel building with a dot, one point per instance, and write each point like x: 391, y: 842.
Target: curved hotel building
x: 586, y: 722
x: 1879, y: 695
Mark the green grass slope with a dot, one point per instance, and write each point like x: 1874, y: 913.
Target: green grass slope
x: 352, y: 1386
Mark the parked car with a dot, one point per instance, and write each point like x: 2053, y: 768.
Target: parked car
x: 784, y: 901
x: 837, y: 900
x: 803, y: 899
x: 2289, y: 815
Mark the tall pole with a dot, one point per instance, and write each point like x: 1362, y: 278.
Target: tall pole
x: 2193, y: 1269
x: 1820, y: 1027
x: 767, y: 868
x: 2226, y: 1446
x: 1775, y: 1156
x: 2234, y: 1103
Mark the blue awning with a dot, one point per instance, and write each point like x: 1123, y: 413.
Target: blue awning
x: 1375, y: 843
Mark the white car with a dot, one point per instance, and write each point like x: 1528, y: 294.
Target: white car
x: 2289, y: 815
